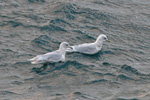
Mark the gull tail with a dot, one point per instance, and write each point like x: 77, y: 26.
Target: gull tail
x: 36, y: 60
x: 71, y: 49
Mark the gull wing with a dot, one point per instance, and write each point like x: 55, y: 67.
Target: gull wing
x: 87, y: 48
x: 53, y: 56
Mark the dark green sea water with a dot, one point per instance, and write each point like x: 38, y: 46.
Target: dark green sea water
x: 120, y: 71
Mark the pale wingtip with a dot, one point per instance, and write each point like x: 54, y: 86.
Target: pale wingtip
x: 34, y: 62
x: 29, y: 59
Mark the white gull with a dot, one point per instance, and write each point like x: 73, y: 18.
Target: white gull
x: 52, y: 57
x: 89, y: 48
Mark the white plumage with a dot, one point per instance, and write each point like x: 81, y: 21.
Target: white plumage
x: 89, y: 48
x: 52, y: 57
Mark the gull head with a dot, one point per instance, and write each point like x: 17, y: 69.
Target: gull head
x: 102, y: 38
x: 65, y: 45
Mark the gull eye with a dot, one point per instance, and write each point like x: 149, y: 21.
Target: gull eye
x: 67, y: 45
x: 104, y: 38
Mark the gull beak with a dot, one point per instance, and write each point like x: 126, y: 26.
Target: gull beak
x: 70, y: 47
x: 109, y: 41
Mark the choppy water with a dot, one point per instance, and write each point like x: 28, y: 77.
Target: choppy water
x: 120, y: 71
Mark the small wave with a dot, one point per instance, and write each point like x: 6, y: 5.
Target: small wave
x: 52, y: 27
x: 109, y: 52
x: 45, y: 42
x: 124, y: 77
x: 58, y: 20
x: 69, y: 8
x: 106, y: 64
x: 34, y: 1
x: 127, y: 99
x: 96, y: 81
x: 78, y: 31
x: 106, y: 52
x: 99, y: 2
x: 75, y: 64
x: 17, y: 83
x: 59, y: 66
x: 70, y: 17
x: 81, y: 96
x: 102, y: 81
x: 39, y: 70
x: 70, y: 73
x: 21, y: 64
x: 130, y: 70
x: 7, y: 93
x: 130, y: 73
x: 42, y: 40
x: 12, y: 23
x: 94, y: 14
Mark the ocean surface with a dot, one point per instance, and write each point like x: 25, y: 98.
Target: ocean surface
x: 120, y: 71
